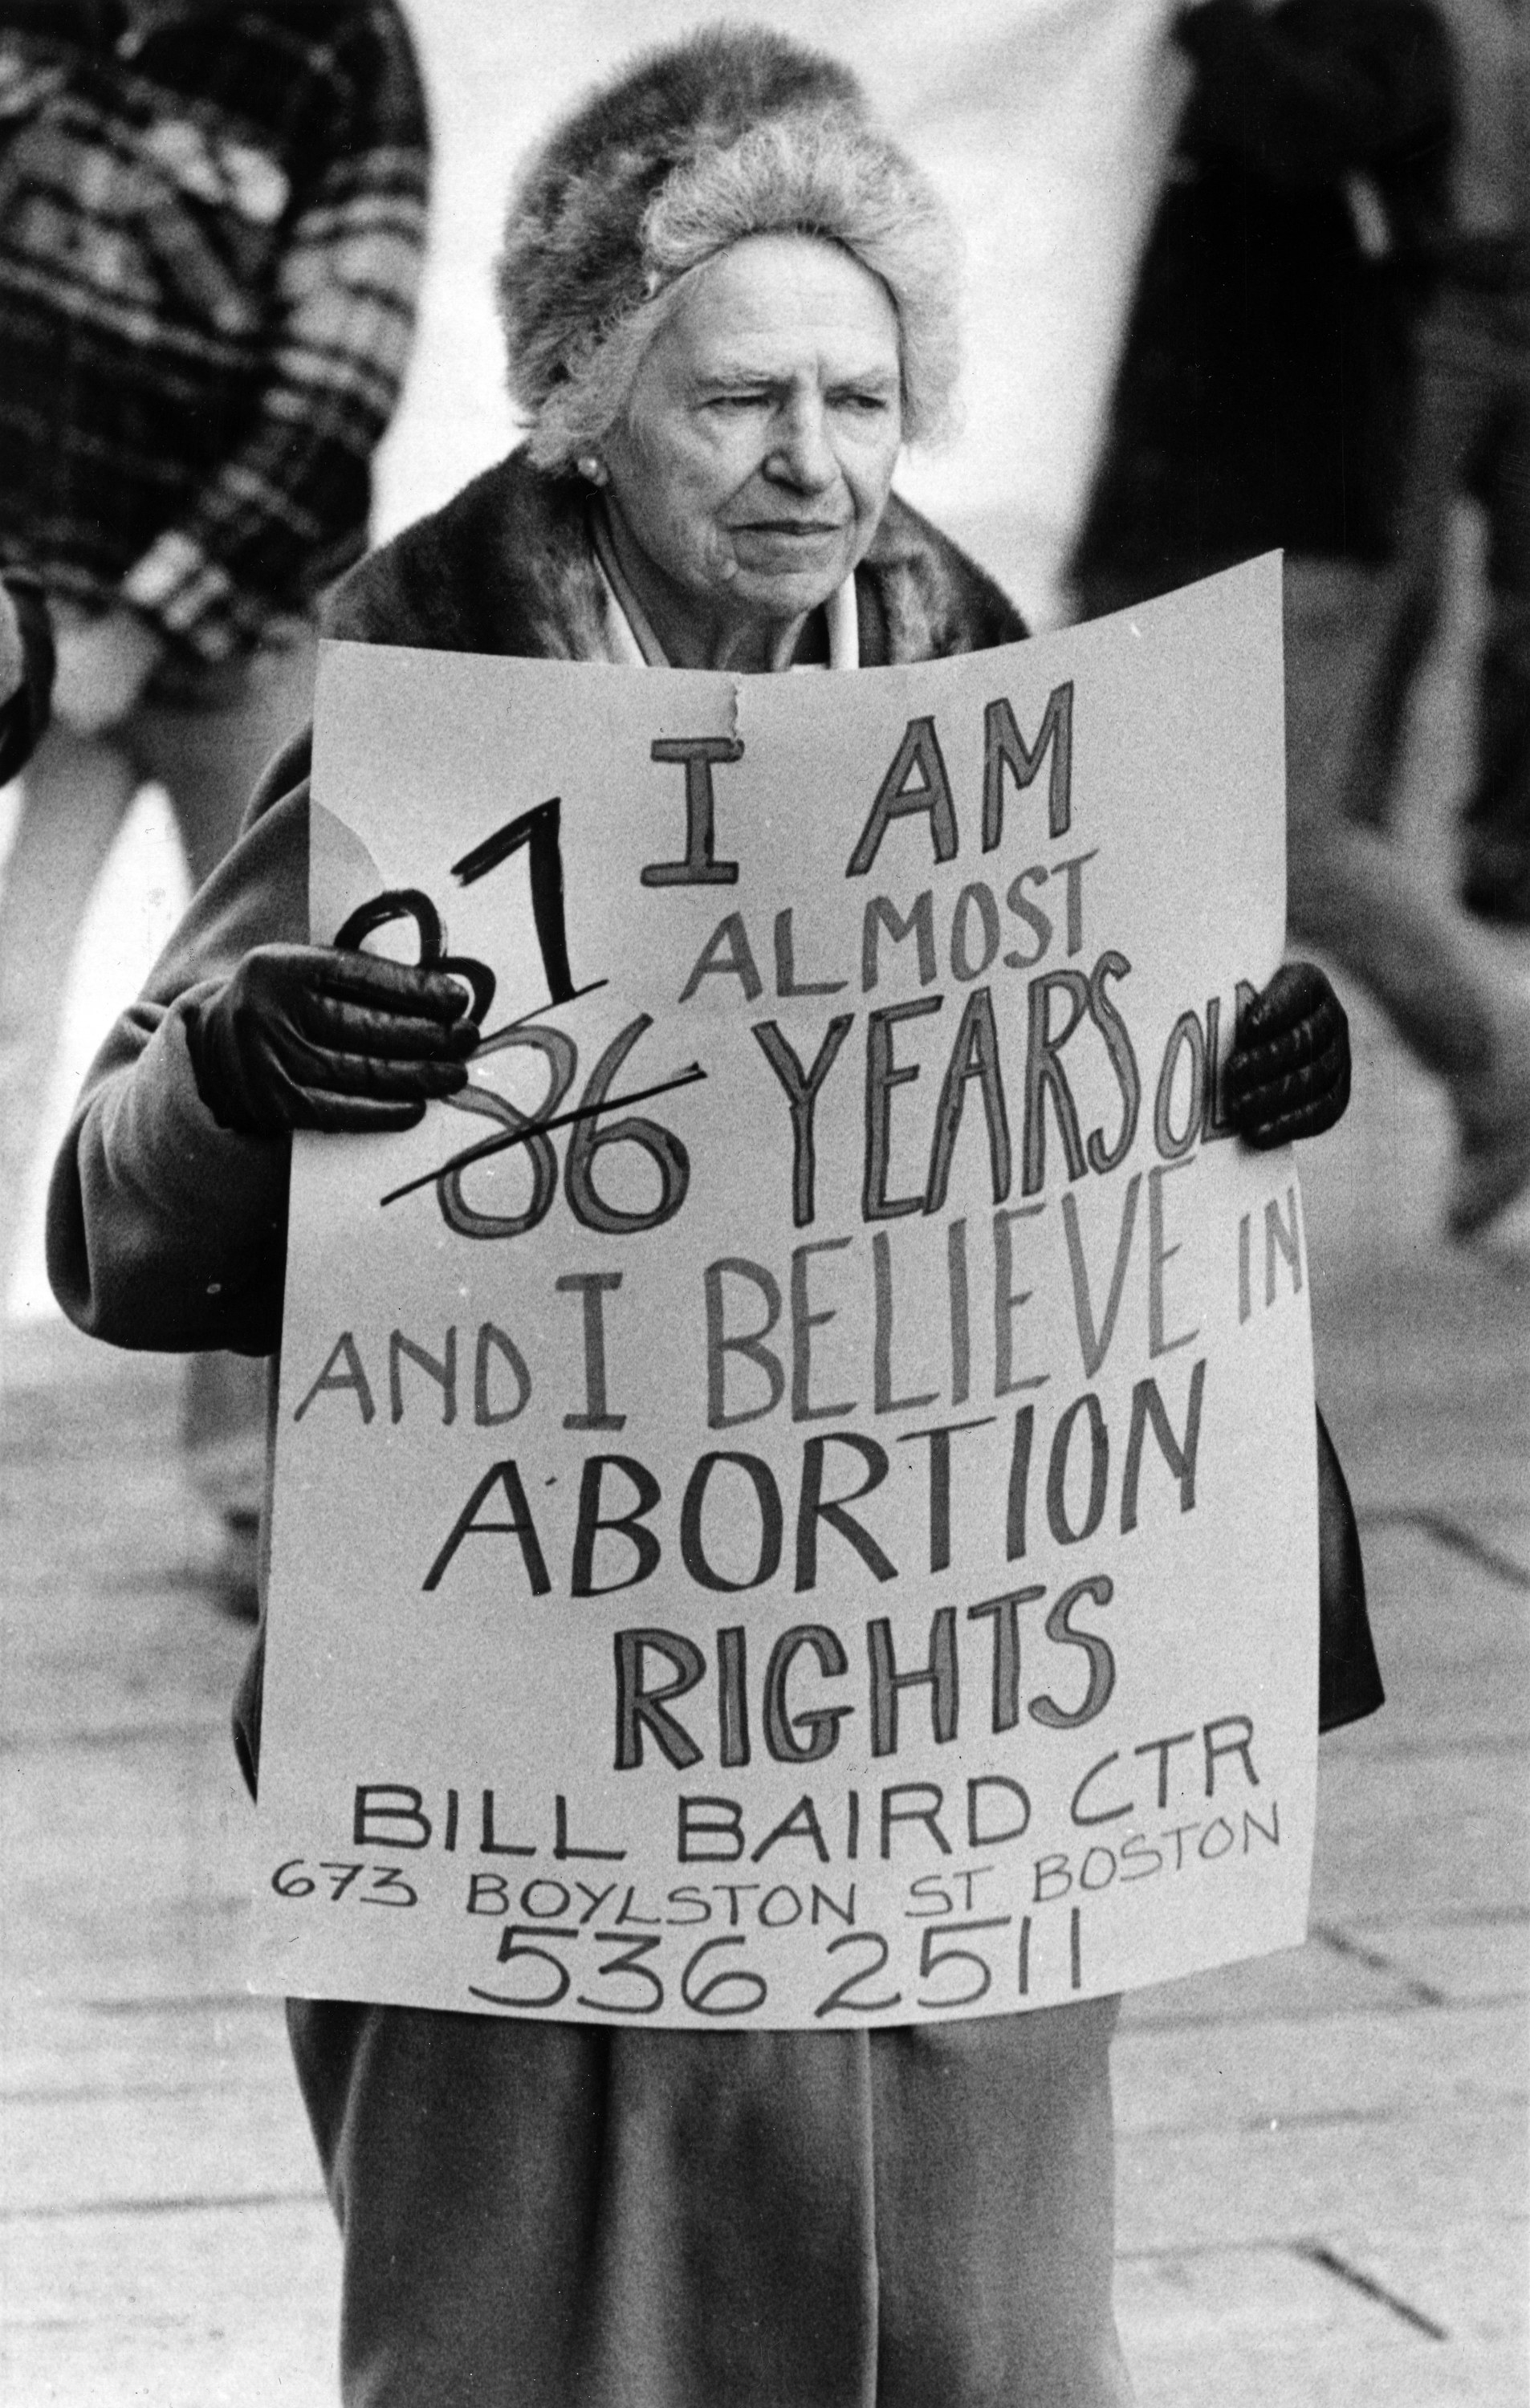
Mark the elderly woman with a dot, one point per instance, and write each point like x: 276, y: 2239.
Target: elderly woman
x: 729, y: 303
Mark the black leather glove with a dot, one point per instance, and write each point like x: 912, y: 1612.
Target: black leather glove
x: 303, y: 1037
x: 1288, y: 1074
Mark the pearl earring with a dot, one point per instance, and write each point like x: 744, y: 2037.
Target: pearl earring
x: 593, y: 470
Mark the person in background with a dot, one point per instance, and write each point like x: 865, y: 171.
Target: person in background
x: 1262, y: 402
x: 1472, y: 435
x: 26, y: 672
x: 212, y: 217
x: 729, y: 302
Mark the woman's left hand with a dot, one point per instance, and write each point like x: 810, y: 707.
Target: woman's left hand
x: 1288, y: 1074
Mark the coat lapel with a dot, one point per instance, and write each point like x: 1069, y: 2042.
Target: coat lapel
x: 509, y: 566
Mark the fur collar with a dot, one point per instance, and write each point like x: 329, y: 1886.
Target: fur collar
x: 509, y: 566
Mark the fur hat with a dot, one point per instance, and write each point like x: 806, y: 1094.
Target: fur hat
x: 732, y: 131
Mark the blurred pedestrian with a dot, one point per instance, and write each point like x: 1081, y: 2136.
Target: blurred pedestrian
x: 1472, y: 437
x: 211, y: 222
x: 729, y: 301
x: 1262, y: 401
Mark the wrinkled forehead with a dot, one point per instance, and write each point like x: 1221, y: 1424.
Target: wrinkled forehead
x: 782, y: 304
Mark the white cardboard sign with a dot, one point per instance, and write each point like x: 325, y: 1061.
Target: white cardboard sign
x: 822, y: 1531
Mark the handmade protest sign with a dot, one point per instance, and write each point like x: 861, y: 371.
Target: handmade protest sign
x: 795, y: 1494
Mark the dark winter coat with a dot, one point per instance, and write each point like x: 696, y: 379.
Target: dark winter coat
x: 1262, y: 397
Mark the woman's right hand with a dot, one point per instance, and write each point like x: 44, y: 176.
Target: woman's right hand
x: 305, y: 1037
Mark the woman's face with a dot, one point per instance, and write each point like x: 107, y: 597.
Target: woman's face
x: 754, y: 457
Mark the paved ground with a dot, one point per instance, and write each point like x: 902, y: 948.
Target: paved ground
x: 1324, y: 2155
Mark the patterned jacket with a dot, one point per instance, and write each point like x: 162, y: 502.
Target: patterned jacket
x: 211, y: 224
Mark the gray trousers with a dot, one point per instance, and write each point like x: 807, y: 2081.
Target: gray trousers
x: 557, y: 2216
x: 1472, y: 435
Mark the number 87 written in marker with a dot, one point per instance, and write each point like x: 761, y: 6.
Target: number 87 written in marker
x: 536, y: 831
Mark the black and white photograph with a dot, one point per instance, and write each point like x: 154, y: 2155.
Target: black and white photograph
x: 765, y: 1204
